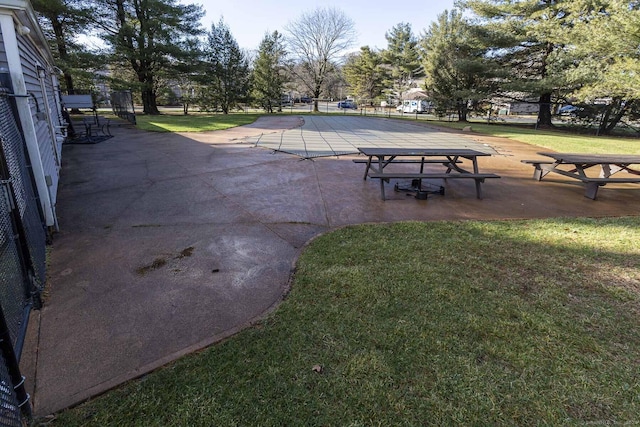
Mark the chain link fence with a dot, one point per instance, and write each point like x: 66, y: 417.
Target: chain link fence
x: 9, y: 406
x: 122, y: 105
x: 22, y: 259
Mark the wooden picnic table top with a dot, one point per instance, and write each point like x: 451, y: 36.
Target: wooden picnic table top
x: 593, y: 159
x: 393, y: 151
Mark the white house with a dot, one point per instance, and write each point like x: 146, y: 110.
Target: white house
x: 27, y: 70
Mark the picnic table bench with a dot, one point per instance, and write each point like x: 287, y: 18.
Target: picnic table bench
x: 575, y: 165
x: 380, y: 158
x: 95, y: 127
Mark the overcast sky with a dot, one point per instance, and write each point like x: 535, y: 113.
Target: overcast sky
x: 249, y: 20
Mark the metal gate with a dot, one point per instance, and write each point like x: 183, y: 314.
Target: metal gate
x: 22, y: 257
x: 122, y: 105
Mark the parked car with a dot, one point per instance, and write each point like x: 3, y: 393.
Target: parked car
x: 286, y: 101
x: 305, y: 100
x: 568, y: 110
x: 347, y: 104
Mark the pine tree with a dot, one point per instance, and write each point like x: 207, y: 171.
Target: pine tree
x: 365, y: 74
x: 62, y: 21
x: 457, y: 73
x: 148, y: 36
x: 607, y: 72
x: 269, y: 71
x: 528, y: 40
x: 402, y: 57
x: 227, y: 68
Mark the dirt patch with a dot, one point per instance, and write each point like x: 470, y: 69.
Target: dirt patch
x: 156, y: 264
x: 185, y: 252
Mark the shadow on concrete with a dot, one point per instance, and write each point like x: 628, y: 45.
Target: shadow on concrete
x: 171, y: 242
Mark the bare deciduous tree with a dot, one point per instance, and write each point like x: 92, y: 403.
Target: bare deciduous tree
x: 317, y: 40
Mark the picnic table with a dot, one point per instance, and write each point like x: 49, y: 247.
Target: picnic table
x: 575, y: 165
x: 96, y: 128
x: 378, y: 159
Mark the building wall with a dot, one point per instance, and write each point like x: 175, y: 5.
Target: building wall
x: 24, y: 54
x: 38, y: 83
x: 3, y: 55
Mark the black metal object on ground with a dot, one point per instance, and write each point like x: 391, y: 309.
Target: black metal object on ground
x: 417, y: 189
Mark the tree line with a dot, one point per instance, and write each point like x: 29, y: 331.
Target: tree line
x: 543, y: 52
x: 153, y: 46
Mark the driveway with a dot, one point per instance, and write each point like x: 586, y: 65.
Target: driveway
x: 171, y: 242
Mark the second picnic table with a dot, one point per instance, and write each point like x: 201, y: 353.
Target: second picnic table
x: 379, y: 158
x: 607, y: 164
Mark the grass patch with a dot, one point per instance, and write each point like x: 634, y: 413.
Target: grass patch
x: 557, y: 140
x: 194, y: 122
x: 440, y: 323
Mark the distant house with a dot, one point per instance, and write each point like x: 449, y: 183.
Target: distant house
x: 514, y: 104
x: 29, y: 78
x: 530, y: 108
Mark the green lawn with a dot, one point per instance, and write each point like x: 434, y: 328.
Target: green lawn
x: 194, y: 122
x: 443, y: 323
x: 557, y: 140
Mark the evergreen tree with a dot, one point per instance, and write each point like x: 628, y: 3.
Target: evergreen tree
x: 365, y: 74
x: 227, y: 68
x: 148, y: 36
x: 607, y: 73
x: 62, y: 21
x: 528, y: 40
x: 269, y: 71
x: 402, y: 58
x: 187, y: 74
x: 457, y: 74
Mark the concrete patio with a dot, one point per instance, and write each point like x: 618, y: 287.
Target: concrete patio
x: 171, y: 242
